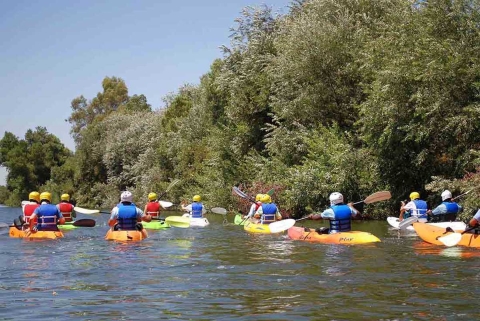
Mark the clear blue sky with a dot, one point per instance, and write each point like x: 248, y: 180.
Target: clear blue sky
x: 55, y: 50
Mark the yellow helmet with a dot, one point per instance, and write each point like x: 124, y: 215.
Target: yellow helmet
x: 46, y: 196
x: 34, y: 196
x: 414, y: 195
x: 197, y: 198
x: 65, y: 197
x: 266, y: 198
x: 152, y: 196
x: 258, y: 197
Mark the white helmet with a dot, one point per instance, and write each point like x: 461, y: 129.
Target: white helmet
x: 446, y: 195
x: 336, y: 198
x: 126, y: 196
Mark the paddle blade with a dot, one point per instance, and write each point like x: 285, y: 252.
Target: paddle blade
x: 270, y: 192
x: 84, y: 222
x: 165, y: 204
x: 237, y: 191
x: 178, y: 221
x: 85, y: 211
x: 219, y: 210
x: 280, y: 226
x: 377, y: 197
x: 451, y: 239
x: 407, y: 222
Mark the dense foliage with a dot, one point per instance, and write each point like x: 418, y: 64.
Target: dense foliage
x: 337, y: 95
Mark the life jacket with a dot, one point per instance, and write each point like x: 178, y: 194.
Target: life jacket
x: 421, y: 211
x: 343, y: 218
x: 269, y: 211
x: 153, y: 209
x: 127, y: 216
x: 66, y: 209
x: 257, y: 205
x: 450, y: 215
x: 197, y: 210
x: 28, y: 210
x: 47, y: 215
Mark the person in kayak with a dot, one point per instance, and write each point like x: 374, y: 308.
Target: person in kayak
x: 447, y: 211
x: 46, y: 216
x: 474, y: 222
x: 255, y: 206
x: 339, y: 214
x: 66, y: 208
x: 268, y: 211
x: 27, y: 209
x: 416, y: 207
x: 196, y: 209
x: 126, y: 215
x: 152, y: 208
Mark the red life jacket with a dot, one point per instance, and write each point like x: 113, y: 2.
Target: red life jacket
x: 153, y: 208
x: 28, y: 211
x: 66, y: 209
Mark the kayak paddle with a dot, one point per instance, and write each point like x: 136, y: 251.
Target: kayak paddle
x: 407, y: 222
x: 84, y: 222
x: 280, y: 226
x: 376, y: 197
x: 454, y: 238
x: 85, y: 210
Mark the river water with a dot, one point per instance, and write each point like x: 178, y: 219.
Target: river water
x: 220, y: 272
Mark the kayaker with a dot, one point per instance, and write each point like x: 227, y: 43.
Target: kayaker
x: 196, y: 209
x: 46, y: 216
x: 27, y: 209
x: 447, y: 211
x: 255, y: 206
x: 416, y: 207
x: 152, y: 208
x: 475, y: 221
x: 267, y: 212
x: 339, y: 214
x: 66, y: 208
x: 126, y: 215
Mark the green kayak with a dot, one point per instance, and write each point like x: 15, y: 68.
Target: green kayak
x: 239, y: 220
x: 155, y: 225
x: 67, y: 226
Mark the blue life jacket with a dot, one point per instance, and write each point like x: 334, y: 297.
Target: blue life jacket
x: 197, y: 210
x: 47, y: 215
x: 452, y: 207
x: 343, y: 218
x: 269, y: 211
x: 422, y: 207
x: 127, y: 216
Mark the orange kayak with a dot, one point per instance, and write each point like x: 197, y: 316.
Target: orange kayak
x: 430, y: 234
x: 126, y: 235
x: 352, y: 237
x: 15, y: 232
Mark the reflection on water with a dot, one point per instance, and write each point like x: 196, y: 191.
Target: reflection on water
x: 222, y: 273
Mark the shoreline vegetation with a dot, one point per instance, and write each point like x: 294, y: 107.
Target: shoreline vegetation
x: 355, y: 97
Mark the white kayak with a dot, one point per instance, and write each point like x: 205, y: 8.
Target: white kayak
x: 456, y: 226
x: 197, y: 222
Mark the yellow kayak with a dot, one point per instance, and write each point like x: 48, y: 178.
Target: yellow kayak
x: 133, y: 235
x: 272, y: 228
x: 15, y: 232
x: 352, y: 237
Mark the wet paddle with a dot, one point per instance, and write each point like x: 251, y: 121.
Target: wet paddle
x: 407, y: 222
x: 84, y: 222
x: 454, y: 238
x: 280, y: 226
x: 376, y: 197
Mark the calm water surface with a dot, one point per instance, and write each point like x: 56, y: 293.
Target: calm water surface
x: 222, y: 273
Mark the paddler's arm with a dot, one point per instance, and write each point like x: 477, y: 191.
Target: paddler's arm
x: 474, y: 221
x: 113, y: 217
x: 143, y: 217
